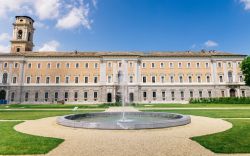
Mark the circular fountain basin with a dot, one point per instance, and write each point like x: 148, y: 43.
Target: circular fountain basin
x: 132, y: 120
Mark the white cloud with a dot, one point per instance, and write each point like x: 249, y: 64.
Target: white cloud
x: 47, y: 9
x: 94, y: 2
x: 50, y: 46
x: 210, y: 44
x: 38, y: 24
x: 4, y: 49
x: 4, y: 37
x: 75, y: 18
x: 246, y: 3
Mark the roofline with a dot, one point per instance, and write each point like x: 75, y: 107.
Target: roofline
x: 26, y: 17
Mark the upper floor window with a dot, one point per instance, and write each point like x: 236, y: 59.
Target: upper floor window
x: 19, y: 34
x: 38, y: 79
x: 143, y: 65
x: 76, y: 79
x: 58, y: 65
x: 66, y: 79
x: 153, y: 79
x: 86, y: 79
x: 130, y: 64
x: 229, y: 64
x: 241, y: 78
x: 162, y: 79
x: 171, y: 65
x: 199, y: 79
x: 238, y: 63
x: 48, y: 65
x: 95, y: 79
x: 172, y: 79
x: 57, y: 79
x: 109, y: 79
x: 208, y: 79
x: 207, y: 65
x: 120, y: 64
x: 181, y: 79
x: 188, y: 65
x: 144, y: 79
x: 131, y: 79
x: 162, y: 65
x: 109, y: 64
x: 28, y: 80
x: 77, y: 65
x: 219, y: 64
x: 152, y: 65
x: 39, y: 65
x: 96, y: 65
x: 5, y: 65
x: 197, y: 65
x: 221, y: 78
x: 14, y: 80
x: 67, y: 65
x: 190, y: 79
x: 179, y: 65
x: 47, y: 80
x: 86, y: 65
x: 16, y: 65
x: 29, y: 65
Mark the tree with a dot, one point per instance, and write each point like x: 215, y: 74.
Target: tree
x: 245, y: 68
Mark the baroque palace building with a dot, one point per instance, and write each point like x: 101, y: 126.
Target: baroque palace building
x: 93, y: 77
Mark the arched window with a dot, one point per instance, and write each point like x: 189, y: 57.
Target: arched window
x: 208, y: 79
x: 5, y: 78
x: 19, y: 34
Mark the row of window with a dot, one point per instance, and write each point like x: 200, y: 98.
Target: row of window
x: 153, y: 65
x: 131, y: 79
x: 46, y: 96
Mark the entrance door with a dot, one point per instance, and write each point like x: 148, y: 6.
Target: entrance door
x: 232, y: 93
x: 2, y: 95
x: 131, y: 97
x: 109, y: 97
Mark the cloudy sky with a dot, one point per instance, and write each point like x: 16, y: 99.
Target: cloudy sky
x: 132, y: 25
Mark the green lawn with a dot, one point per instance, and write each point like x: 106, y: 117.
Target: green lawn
x: 190, y: 105
x: 234, y: 140
x: 16, y: 143
x: 235, y: 113
x: 35, y: 114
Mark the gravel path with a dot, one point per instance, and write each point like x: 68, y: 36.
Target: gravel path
x: 155, y: 142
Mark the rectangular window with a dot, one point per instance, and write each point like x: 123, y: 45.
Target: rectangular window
x: 171, y: 65
x: 46, y: 96
x: 163, y: 94
x: 77, y: 65
x: 188, y: 65
x: 109, y: 64
x: 162, y: 79
x: 152, y: 65
x: 209, y: 94
x: 143, y: 65
x: 199, y: 79
x: 182, y: 95
x: 144, y: 79
x: 67, y: 79
x: 38, y: 65
x: 109, y: 79
x: 16, y: 65
x: 86, y: 79
x: 130, y: 64
x: 153, y: 79
x: 190, y: 79
x: 36, y: 96
x: 47, y: 80
x: 66, y: 96
x: 179, y: 65
x: 48, y: 65
x: 200, y: 94
x: 207, y: 65
x: 95, y: 96
x: 5, y: 65
x: 85, y: 96
x: 172, y: 96
x: 191, y: 94
x: 154, y: 96
x: 38, y: 80
x: 120, y: 64
x: 67, y: 65
x: 144, y: 96
x: 95, y: 79
x: 58, y: 65
x: 131, y: 79
x: 28, y: 80
x: 56, y: 96
x: 76, y: 96
x: 181, y: 79
x: 76, y: 79
x: 198, y: 65
x: 29, y: 65
x: 243, y: 94
x: 14, y: 80
x: 57, y: 80
x: 96, y: 65
x: 172, y: 79
x: 222, y: 93
x: 208, y: 79
x: 219, y: 64
x: 86, y: 65
x: 12, y: 98
x: 221, y: 79
x: 26, y: 96
x: 241, y: 79
x: 162, y: 65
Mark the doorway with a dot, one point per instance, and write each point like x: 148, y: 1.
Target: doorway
x: 109, y: 97
x: 232, y: 93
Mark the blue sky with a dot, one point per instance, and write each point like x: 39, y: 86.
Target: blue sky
x: 132, y: 25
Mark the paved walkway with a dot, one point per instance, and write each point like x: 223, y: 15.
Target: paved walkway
x: 161, y: 142
x: 121, y: 109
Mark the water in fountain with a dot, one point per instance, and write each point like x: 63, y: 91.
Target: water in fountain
x: 122, y: 82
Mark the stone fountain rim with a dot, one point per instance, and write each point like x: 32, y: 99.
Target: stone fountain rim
x: 181, y: 120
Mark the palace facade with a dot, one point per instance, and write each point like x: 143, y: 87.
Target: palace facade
x: 93, y: 77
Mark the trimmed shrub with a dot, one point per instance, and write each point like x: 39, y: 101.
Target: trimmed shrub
x: 222, y: 100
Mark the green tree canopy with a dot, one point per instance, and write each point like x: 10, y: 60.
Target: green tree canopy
x: 245, y: 68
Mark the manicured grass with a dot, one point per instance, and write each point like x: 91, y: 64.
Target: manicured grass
x: 190, y: 105
x: 48, y: 106
x: 13, y: 142
x: 234, y: 140
x: 35, y: 114
x: 235, y: 113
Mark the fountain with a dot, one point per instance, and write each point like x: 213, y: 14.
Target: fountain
x: 123, y: 119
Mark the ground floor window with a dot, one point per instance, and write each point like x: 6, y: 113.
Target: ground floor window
x: 66, y: 96
x: 163, y: 94
x: 95, y: 96
x: 191, y: 93
x: 46, y: 96
x: 36, y: 96
x: 200, y: 94
x: 209, y: 94
x: 85, y: 96
x: 109, y: 97
x: 12, y: 98
x: 182, y: 95
x: 76, y: 96
x: 144, y: 96
x: 56, y: 96
x: 243, y: 94
x: 26, y: 98
x: 131, y: 97
x: 154, y: 96
x: 172, y: 96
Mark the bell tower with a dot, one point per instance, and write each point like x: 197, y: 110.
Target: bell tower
x: 23, y: 30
